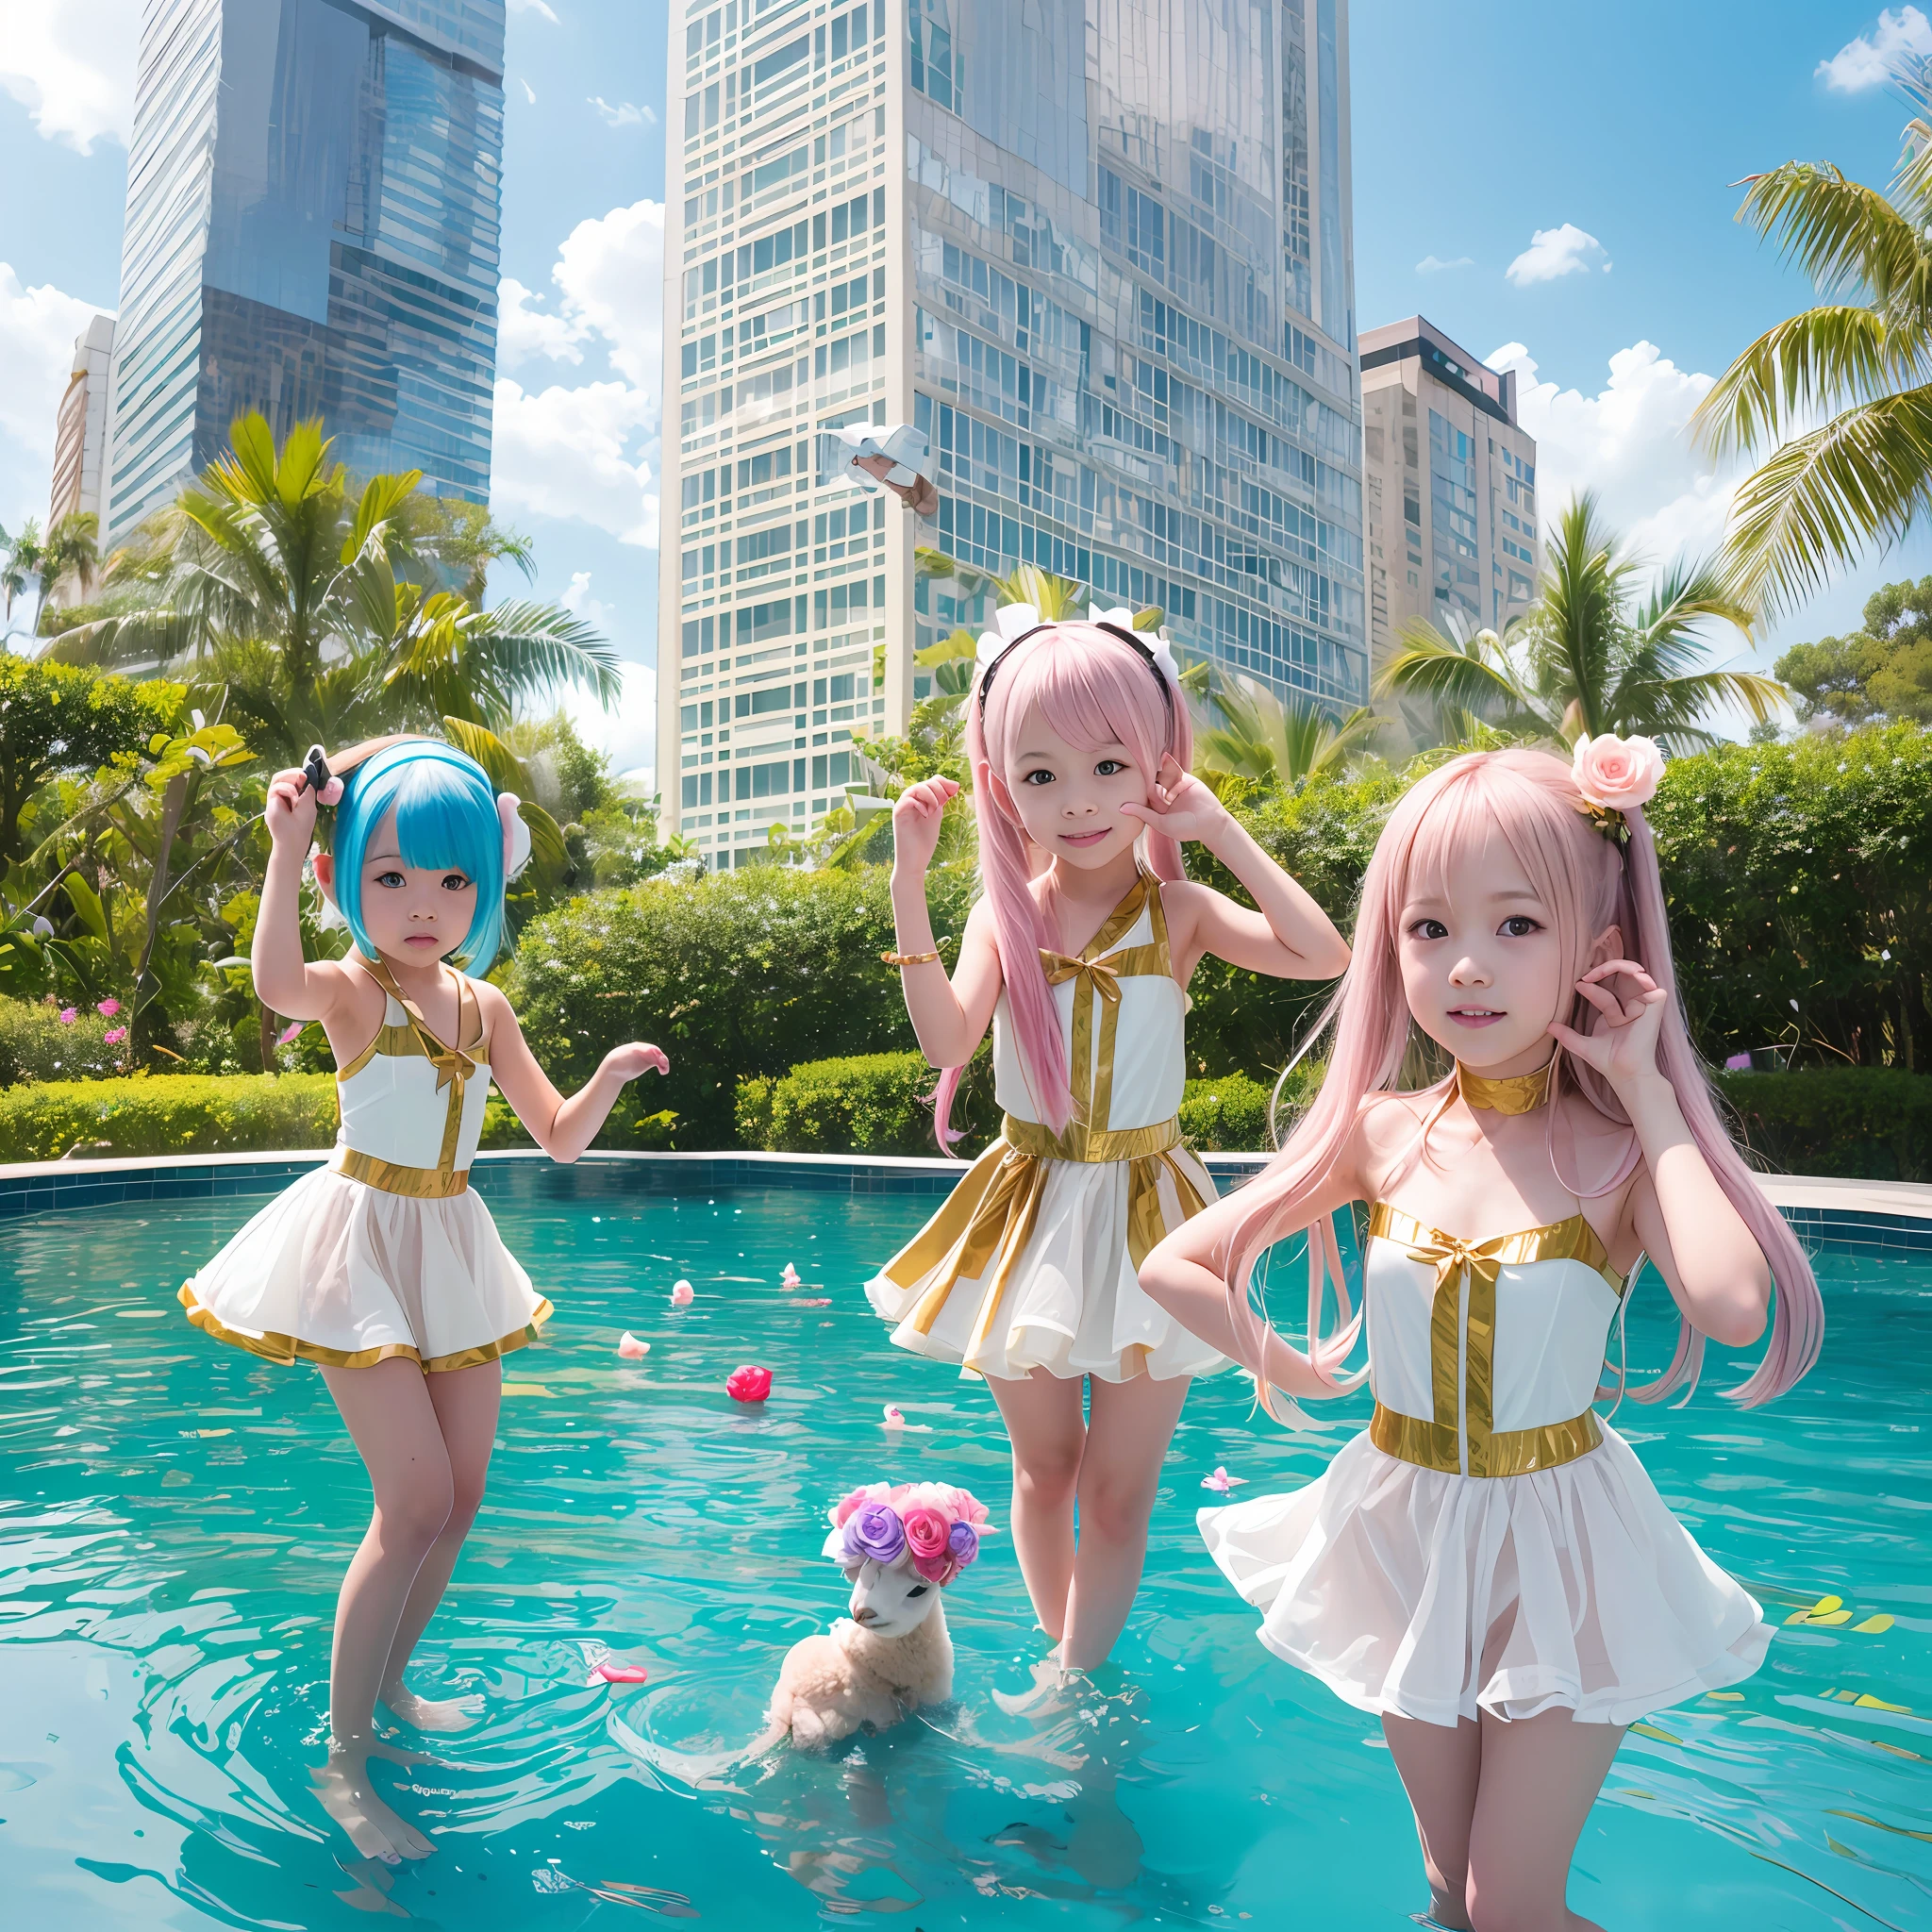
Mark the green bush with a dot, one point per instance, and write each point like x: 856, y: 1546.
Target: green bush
x: 1859, y: 1123
x: 738, y: 974
x: 163, y: 1113
x: 37, y: 1044
x: 880, y: 1103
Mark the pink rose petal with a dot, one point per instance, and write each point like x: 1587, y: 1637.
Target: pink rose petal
x: 620, y: 1674
x: 631, y: 1348
x: 682, y: 1295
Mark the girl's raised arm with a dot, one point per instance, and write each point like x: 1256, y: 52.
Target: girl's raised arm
x: 949, y: 1016
x: 285, y: 982
x: 563, y: 1128
x: 1289, y: 938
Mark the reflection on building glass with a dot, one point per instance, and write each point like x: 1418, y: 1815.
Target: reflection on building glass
x: 312, y: 231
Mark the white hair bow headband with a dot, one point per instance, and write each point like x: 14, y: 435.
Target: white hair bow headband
x: 1015, y: 621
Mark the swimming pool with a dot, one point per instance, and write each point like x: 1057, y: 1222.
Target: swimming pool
x: 174, y: 1518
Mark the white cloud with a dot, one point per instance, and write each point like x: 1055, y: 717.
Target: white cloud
x: 1553, y: 253
x: 590, y: 451
x: 524, y: 330
x: 36, y: 330
x: 628, y: 732
x: 627, y: 115
x: 1870, y: 60
x: 70, y: 63
x: 537, y: 7
x: 1434, y: 264
x: 1629, y: 443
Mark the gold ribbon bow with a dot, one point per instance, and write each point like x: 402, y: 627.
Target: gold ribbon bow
x: 1482, y: 1261
x: 1094, y: 974
x: 1091, y: 977
x: 453, y: 1067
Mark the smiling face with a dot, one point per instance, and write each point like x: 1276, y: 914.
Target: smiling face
x: 891, y: 1599
x: 417, y: 914
x: 1068, y: 797
x: 1484, y: 967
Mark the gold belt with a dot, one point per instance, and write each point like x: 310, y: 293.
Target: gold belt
x: 1081, y: 1142
x: 1512, y: 1452
x: 393, y: 1177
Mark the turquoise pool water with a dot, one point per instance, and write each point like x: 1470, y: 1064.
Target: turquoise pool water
x: 175, y: 1516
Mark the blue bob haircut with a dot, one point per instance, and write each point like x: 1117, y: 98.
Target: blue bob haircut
x: 446, y: 809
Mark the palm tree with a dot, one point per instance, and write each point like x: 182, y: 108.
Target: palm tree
x: 1274, y: 742
x: 22, y: 565
x: 1860, y: 357
x: 1589, y: 656
x: 266, y: 575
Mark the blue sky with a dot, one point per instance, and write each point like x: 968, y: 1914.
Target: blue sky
x: 1614, y: 135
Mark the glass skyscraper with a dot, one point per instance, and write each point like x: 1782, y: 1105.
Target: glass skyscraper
x: 312, y: 231
x: 1099, y: 250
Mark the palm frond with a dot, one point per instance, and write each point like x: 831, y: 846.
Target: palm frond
x: 1471, y: 675
x: 1824, y: 497
x: 1817, y: 362
x: 1842, y: 235
x: 534, y: 646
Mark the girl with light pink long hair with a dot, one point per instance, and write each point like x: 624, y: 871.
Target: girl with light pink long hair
x: 1488, y: 1567
x: 1078, y: 956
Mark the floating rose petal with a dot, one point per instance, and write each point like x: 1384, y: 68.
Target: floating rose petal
x: 618, y: 1674
x: 895, y: 1416
x: 791, y: 1277
x: 631, y: 1348
x: 748, y: 1383
x: 1220, y: 1480
x: 682, y: 1295
x: 814, y: 1301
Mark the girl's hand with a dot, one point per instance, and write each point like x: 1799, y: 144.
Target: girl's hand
x: 916, y: 815
x: 1625, y: 1052
x: 1182, y: 807
x: 639, y: 1058
x: 290, y: 812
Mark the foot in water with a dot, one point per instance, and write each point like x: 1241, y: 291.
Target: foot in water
x: 431, y: 1714
x: 375, y: 1831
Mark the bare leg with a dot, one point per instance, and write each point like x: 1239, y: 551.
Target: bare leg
x: 1540, y: 1777
x: 396, y: 1430
x: 466, y: 1402
x: 1042, y: 1416
x: 1131, y: 1425
x: 1440, y: 1765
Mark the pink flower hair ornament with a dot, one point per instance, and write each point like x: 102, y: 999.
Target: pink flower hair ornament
x: 1615, y: 775
x: 935, y: 1525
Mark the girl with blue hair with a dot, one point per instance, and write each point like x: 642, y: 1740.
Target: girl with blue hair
x: 384, y: 1268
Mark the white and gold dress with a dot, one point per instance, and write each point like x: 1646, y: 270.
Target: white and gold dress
x: 1034, y: 1261
x: 386, y: 1251
x: 1488, y: 1543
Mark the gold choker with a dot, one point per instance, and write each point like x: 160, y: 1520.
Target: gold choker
x: 1519, y: 1093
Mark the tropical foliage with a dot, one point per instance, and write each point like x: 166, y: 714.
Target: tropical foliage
x: 68, y: 550
x: 1883, y: 671
x: 1859, y: 358
x: 1592, y: 655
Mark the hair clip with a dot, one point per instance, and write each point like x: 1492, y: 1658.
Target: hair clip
x: 326, y: 774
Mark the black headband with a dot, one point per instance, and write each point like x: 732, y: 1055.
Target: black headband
x: 1113, y: 631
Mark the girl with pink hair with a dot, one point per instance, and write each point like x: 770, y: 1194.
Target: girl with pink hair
x: 1488, y: 1567
x: 1078, y: 955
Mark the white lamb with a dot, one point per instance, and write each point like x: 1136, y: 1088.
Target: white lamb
x: 899, y: 1547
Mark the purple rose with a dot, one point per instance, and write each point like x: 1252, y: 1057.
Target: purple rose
x: 962, y: 1545
x: 874, y: 1531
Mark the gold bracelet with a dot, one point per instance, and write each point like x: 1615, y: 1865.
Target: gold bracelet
x: 906, y: 959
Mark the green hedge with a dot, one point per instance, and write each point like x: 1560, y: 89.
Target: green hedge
x: 1861, y: 1123
x: 37, y: 1044
x: 880, y: 1103
x: 738, y: 974
x: 181, y: 1113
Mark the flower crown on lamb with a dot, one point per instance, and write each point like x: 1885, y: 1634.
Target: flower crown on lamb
x: 939, y: 1526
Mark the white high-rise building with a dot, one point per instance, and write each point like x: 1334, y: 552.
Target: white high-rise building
x: 80, y: 439
x: 1099, y: 250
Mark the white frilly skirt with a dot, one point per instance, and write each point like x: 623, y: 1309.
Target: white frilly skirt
x: 1034, y: 1264
x: 1414, y: 1593
x: 344, y: 1274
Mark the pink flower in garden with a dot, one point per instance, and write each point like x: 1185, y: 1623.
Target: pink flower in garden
x: 1617, y: 773
x: 68, y: 1016
x: 114, y: 1035
x: 107, y: 1008
x: 748, y: 1383
x: 290, y: 1032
